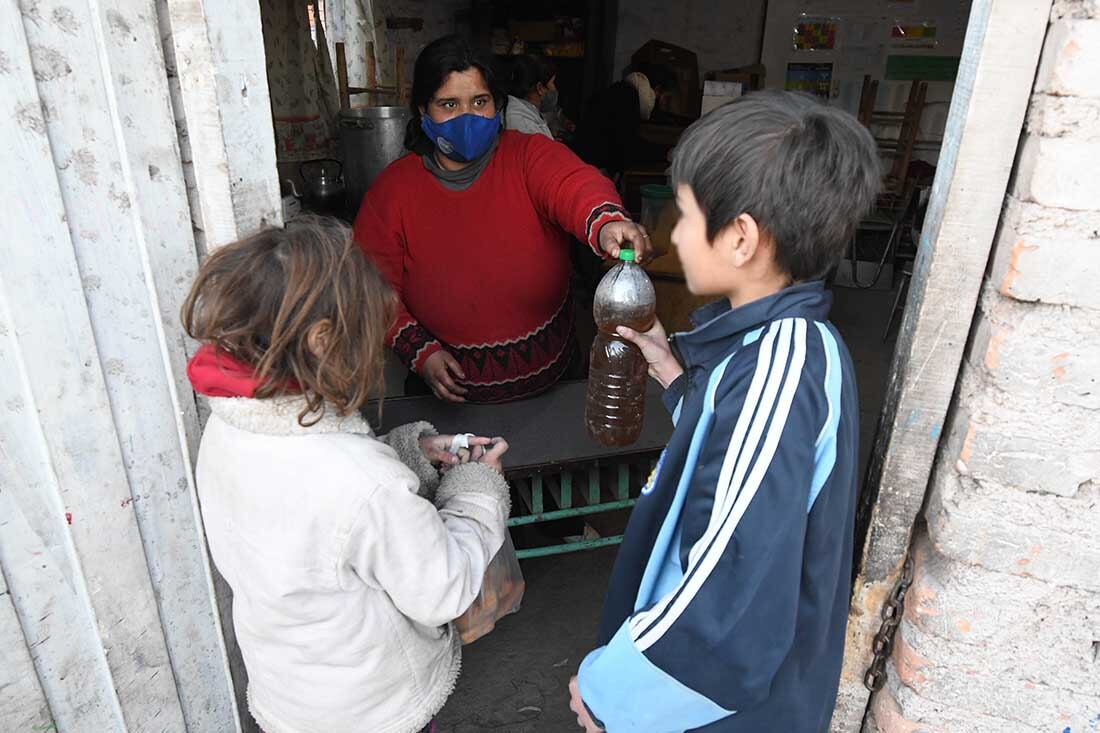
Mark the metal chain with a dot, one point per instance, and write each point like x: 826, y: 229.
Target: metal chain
x: 883, y: 643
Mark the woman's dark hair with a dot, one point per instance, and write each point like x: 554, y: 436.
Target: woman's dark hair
x: 524, y: 73
x: 436, y: 62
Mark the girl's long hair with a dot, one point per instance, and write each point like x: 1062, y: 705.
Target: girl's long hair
x: 258, y: 298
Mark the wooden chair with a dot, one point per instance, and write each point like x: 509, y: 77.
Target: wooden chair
x: 901, y: 149
x: 373, y: 90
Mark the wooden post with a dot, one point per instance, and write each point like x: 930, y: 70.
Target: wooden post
x: 907, y: 136
x: 999, y: 60
x: 867, y: 97
x: 226, y: 114
x: 187, y: 49
x: 399, y: 60
x: 372, y: 73
x: 342, y: 76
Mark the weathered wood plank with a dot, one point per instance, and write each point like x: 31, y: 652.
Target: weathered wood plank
x: 189, y: 59
x: 244, y: 106
x: 23, y: 705
x: 998, y: 65
x: 215, y: 51
x: 150, y: 396
x: 98, y: 314
x: 48, y: 590
x: 46, y: 582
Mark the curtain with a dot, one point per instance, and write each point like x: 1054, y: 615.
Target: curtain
x: 305, y: 101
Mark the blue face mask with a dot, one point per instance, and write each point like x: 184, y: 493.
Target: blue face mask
x: 463, y: 138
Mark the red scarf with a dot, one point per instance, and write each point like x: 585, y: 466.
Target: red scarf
x: 215, y: 373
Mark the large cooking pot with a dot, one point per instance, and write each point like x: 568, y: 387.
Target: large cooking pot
x: 372, y: 138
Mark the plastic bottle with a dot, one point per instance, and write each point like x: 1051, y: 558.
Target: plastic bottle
x: 617, y: 373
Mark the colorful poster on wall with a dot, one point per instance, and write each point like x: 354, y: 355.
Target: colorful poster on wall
x: 907, y: 34
x: 815, y: 34
x: 816, y: 79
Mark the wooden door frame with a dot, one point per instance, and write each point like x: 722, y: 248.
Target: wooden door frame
x: 1000, y: 57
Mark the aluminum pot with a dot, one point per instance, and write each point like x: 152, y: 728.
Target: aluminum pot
x: 371, y: 138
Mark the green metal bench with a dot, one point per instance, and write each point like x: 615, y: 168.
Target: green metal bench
x: 556, y: 471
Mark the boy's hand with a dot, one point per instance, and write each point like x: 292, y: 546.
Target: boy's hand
x: 654, y: 345
x: 437, y: 448
x: 576, y: 704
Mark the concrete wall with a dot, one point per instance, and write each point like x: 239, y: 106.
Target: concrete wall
x: 1002, y: 624
x: 723, y: 35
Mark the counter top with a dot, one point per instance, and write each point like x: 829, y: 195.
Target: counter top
x: 547, y: 430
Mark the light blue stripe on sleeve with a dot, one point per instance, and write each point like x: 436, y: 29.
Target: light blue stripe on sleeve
x: 671, y: 522
x: 671, y: 572
x: 627, y: 692
x: 825, y: 446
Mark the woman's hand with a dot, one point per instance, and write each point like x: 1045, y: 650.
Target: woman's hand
x: 492, y: 455
x: 438, y: 371
x: 437, y: 448
x: 576, y: 704
x: 658, y: 354
x: 616, y: 235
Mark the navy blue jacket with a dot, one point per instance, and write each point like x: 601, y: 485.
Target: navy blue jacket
x: 728, y: 603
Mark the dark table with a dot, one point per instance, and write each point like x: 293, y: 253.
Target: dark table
x: 543, y: 431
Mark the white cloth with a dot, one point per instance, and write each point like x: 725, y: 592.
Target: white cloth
x: 647, y: 98
x: 344, y: 579
x: 522, y: 116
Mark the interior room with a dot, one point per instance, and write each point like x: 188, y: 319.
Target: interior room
x: 340, y: 74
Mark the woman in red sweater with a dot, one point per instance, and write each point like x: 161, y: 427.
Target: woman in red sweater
x: 472, y: 230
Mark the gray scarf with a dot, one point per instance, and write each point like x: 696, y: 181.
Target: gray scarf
x: 462, y: 179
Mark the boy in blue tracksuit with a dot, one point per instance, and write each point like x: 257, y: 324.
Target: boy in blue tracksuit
x: 729, y: 599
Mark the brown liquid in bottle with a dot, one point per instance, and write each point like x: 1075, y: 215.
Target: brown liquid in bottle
x: 615, y: 405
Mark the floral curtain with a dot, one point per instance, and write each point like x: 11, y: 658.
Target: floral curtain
x: 305, y: 101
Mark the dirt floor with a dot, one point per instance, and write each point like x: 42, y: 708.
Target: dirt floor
x: 515, y: 680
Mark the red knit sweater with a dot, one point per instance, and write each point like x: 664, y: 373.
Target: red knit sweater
x: 484, y: 272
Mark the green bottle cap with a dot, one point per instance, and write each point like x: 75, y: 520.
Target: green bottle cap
x: 626, y: 255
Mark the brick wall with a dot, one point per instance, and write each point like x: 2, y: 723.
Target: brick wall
x: 1002, y: 623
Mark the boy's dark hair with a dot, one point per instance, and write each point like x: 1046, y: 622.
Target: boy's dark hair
x: 526, y: 72
x: 807, y: 174
x: 436, y: 62
x: 256, y: 300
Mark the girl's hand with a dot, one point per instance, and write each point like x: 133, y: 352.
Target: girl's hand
x: 658, y: 354
x: 437, y: 449
x: 492, y: 455
x: 440, y: 371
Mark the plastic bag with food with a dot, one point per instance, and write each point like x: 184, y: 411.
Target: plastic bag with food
x: 501, y: 594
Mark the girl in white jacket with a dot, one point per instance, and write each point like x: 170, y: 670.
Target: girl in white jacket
x: 347, y: 555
